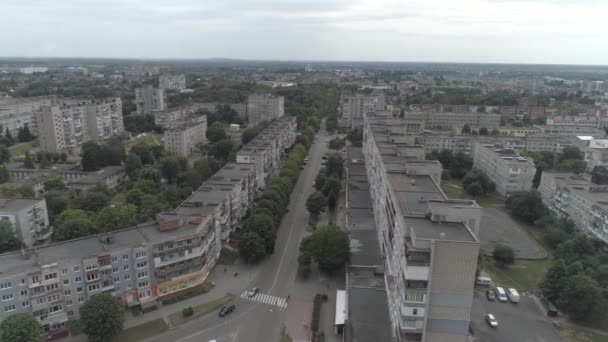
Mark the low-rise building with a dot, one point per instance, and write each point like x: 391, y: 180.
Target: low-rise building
x: 572, y: 196
x: 464, y: 143
x: 29, y: 219
x: 264, y: 107
x: 509, y: 171
x: 183, y: 139
x: 172, y: 81
x: 149, y: 100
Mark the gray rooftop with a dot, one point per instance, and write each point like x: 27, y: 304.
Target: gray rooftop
x: 414, y: 192
x: 429, y: 230
x: 16, y: 204
x: 99, y: 176
x: 368, y: 316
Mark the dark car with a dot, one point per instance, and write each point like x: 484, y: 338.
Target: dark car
x: 225, y: 310
x: 491, y: 295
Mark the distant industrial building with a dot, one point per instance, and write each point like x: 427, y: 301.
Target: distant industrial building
x: 185, y: 138
x: 264, y: 107
x: 149, y: 100
x: 572, y: 196
x: 509, y: 171
x: 172, y: 81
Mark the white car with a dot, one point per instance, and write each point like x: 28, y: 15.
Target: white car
x: 492, y: 320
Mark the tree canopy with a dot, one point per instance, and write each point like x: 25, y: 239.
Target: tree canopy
x: 102, y: 317
x: 22, y: 327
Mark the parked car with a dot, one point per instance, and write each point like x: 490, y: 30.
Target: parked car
x: 492, y: 320
x: 225, y: 310
x: 501, y: 294
x: 513, y: 295
x: 491, y: 295
x: 252, y: 292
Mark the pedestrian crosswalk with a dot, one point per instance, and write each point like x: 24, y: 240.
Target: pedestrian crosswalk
x: 266, y: 299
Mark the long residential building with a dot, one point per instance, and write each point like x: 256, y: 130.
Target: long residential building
x: 265, y: 150
x: 429, y: 243
x: 66, y: 126
x: 28, y: 217
x: 509, y: 171
x: 449, y: 120
x: 572, y: 196
x: 570, y: 130
x: 19, y: 112
x: 464, y: 143
x: 264, y: 107
x: 142, y: 265
x: 149, y: 100
x: 185, y: 138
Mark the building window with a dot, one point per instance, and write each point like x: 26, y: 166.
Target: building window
x: 140, y: 254
x: 93, y: 287
x: 7, y: 285
x: 22, y: 281
x: 114, y: 259
x: 142, y: 264
x: 79, y: 289
x: 52, y: 287
x: 125, y: 257
x: 66, y: 281
x: 76, y: 268
x: 67, y: 292
x: 80, y: 299
x: 142, y: 274
x: 9, y: 308
x: 126, y: 267
x: 25, y: 304
x: 64, y: 271
x: 7, y: 297
x: 78, y: 279
x: 50, y: 276
x: 127, y: 276
x: 23, y: 292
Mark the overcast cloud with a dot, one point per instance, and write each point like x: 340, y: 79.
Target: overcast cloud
x: 509, y: 31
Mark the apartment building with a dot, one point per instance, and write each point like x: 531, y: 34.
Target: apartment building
x: 149, y: 100
x: 570, y: 195
x: 264, y: 107
x: 172, y: 81
x: 509, y: 171
x: 580, y: 120
x: 172, y: 117
x: 64, y: 127
x: 570, y: 130
x: 464, y: 143
x: 28, y: 217
x: 183, y: 139
x: 455, y: 120
x: 428, y: 243
x: 266, y: 149
x: 596, y: 153
x: 354, y: 107
x: 19, y: 112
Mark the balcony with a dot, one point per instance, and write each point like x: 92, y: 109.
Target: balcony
x: 188, y: 254
x: 417, y: 273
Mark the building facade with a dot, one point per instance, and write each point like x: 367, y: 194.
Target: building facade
x: 19, y: 112
x: 172, y: 81
x: 455, y: 120
x: 464, y: 143
x: 149, y: 100
x: 572, y: 196
x: 264, y: 107
x: 173, y: 117
x: 354, y: 107
x: 63, y: 128
x: 185, y: 138
x: 29, y: 219
x: 510, y: 172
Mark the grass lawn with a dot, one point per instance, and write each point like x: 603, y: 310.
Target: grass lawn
x: 141, y: 332
x: 523, y: 274
x: 177, y: 318
x: 149, y: 139
x: 453, y: 189
x: 572, y: 335
x: 18, y: 150
x: 285, y: 336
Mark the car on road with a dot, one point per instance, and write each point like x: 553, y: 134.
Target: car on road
x: 492, y: 320
x: 491, y: 295
x: 252, y: 292
x: 513, y: 295
x: 225, y: 310
x: 501, y: 294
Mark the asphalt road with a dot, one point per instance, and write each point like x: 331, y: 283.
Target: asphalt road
x: 253, y: 321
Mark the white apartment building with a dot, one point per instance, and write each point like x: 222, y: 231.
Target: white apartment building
x: 28, y: 217
x: 354, y: 107
x: 19, y: 112
x: 572, y: 196
x: 149, y: 100
x: 172, y: 81
x: 570, y: 130
x: 66, y: 126
x: 596, y: 153
x: 464, y: 143
x: 455, y: 120
x: 172, y: 117
x: 264, y: 107
x: 510, y: 172
x: 185, y: 138
x: 429, y: 245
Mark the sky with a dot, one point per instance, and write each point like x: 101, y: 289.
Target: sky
x: 475, y: 31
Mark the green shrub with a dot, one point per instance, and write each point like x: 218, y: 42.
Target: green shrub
x: 187, y: 312
x: 316, y: 313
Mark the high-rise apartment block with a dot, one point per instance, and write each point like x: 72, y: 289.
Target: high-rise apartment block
x: 354, y: 107
x: 149, y: 100
x: 509, y: 171
x: 264, y: 107
x: 172, y: 81
x: 184, y: 138
x: 28, y: 217
x: 66, y: 126
x: 19, y: 112
x: 451, y: 120
x: 572, y: 196
x: 428, y: 242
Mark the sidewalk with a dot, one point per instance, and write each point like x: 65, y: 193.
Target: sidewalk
x: 225, y: 283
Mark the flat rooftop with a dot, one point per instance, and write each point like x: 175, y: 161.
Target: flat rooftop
x: 426, y: 229
x: 16, y: 204
x: 414, y: 192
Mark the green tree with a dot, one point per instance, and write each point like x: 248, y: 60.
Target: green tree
x: 526, y: 206
x: 503, y: 255
x: 151, y: 205
x: 570, y: 152
x: 495, y: 132
x: 483, y: 131
x: 460, y: 165
x: 4, y: 175
x: 554, y: 280
x: 576, y: 248
x: 221, y: 149
x: 56, y: 202
x: 73, y: 224
x: 249, y: 134
x: 153, y: 174
x: 320, y: 180
x: 28, y: 163
x: 21, y: 327
x: 572, y: 165
x: 5, y: 154
x: 355, y: 137
x: 336, y: 143
x: 580, y: 297
x: 170, y: 167
x: 216, y: 132
x: 335, y: 165
x: 9, y: 137
x: 43, y: 162
x: 315, y: 204
x: 134, y: 197
x: 264, y: 226
x: 252, y: 247
x: 474, y: 189
x: 332, y: 186
x: 466, y: 129
x: 102, y: 317
x: 54, y: 183
x: 24, y: 134
x: 599, y: 175
x: 93, y: 201
x: 114, y: 218
x: 331, y: 123
x: 8, y: 240
x: 133, y: 165
x: 329, y: 246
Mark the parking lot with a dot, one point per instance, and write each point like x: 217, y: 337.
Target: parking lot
x: 498, y: 227
x: 522, y: 322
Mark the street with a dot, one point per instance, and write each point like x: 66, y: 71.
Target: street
x: 260, y: 319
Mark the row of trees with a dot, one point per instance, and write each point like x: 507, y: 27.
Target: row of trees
x: 328, y: 246
x: 570, y: 159
x: 476, y: 183
x: 455, y: 165
x: 466, y: 129
x: 328, y: 184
